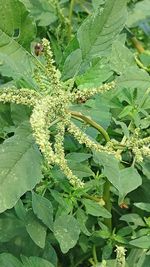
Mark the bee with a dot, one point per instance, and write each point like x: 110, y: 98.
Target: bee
x: 38, y: 49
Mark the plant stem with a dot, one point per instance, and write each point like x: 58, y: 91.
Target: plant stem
x: 70, y: 18
x: 95, y: 125
x: 139, y: 63
x: 95, y: 255
x: 137, y: 44
x: 108, y: 205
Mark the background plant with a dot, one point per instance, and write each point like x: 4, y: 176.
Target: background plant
x: 44, y: 220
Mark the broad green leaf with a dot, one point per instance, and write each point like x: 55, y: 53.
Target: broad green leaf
x: 143, y: 206
x: 138, y: 13
x: 36, y: 230
x: 97, y: 3
x: 125, y: 180
x: 98, y: 31
x: 110, y: 164
x: 72, y: 65
x: 97, y: 109
x: 66, y: 231
x: 129, y: 181
x: 15, y: 61
x: 66, y: 207
x: 20, y: 113
x: 20, y: 210
x: 78, y: 157
x: 80, y: 169
x: 43, y: 11
x: 121, y: 58
x: 95, y: 75
x: 49, y: 254
x: 146, y: 167
x: 141, y: 242
x: 20, y: 167
x: 134, y: 78
x: 5, y: 116
x: 16, y: 22
x: 95, y: 209
x: 133, y: 218
x: 43, y: 209
x: 10, y: 226
x: 82, y: 218
x: 35, y: 262
x: 7, y: 259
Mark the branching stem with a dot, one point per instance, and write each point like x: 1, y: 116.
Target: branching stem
x: 95, y: 125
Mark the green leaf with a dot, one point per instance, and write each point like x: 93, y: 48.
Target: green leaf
x: 80, y: 169
x: 95, y: 75
x: 43, y: 11
x: 133, y: 218
x: 72, y: 65
x: 16, y: 22
x: 140, y: 12
x: 111, y: 168
x: 129, y: 181
x: 146, y: 167
x: 35, y: 262
x: 20, y: 167
x: 82, y: 218
x: 20, y: 210
x: 66, y: 230
x: 121, y: 58
x: 43, y: 209
x: 97, y: 3
x: 95, y: 209
x: 10, y: 226
x: 5, y: 116
x: 134, y: 78
x: 143, y: 206
x: 20, y: 113
x: 78, y: 157
x: 125, y: 180
x: 7, y: 259
x: 36, y: 230
x: 15, y: 61
x: 98, y: 31
x: 142, y: 242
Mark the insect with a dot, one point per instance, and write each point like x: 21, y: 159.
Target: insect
x: 38, y: 49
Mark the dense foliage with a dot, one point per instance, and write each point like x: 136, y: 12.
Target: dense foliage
x: 74, y: 133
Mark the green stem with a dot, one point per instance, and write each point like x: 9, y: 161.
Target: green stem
x: 139, y: 63
x: 70, y: 18
x: 95, y: 125
x: 108, y: 204
x: 95, y: 255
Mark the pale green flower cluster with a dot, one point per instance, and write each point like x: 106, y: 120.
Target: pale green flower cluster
x: 140, y: 147
x: 23, y: 96
x: 51, y: 106
x: 120, y: 256
x: 87, y: 93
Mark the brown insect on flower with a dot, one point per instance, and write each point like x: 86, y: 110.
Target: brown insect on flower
x: 124, y: 206
x: 38, y: 49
